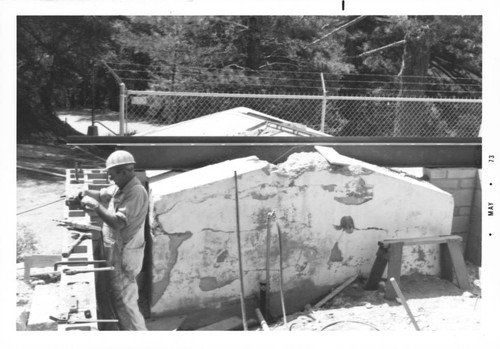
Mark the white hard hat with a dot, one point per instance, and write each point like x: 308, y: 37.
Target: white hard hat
x: 119, y: 157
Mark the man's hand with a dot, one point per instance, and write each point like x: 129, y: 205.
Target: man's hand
x: 89, y: 203
x: 74, y: 200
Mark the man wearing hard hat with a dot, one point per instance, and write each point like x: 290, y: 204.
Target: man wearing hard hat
x: 123, y: 234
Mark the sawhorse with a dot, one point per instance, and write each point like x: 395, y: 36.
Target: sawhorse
x: 390, y: 252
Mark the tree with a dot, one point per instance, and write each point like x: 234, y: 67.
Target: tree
x: 432, y: 56
x: 55, y: 58
x: 412, y: 81
x: 178, y: 46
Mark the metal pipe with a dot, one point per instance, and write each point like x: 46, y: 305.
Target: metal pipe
x: 262, y: 321
x: 263, y: 295
x: 122, y: 109
x: 240, y: 262
x: 81, y: 271
x: 106, y: 127
x: 268, y: 261
x: 323, y: 105
x: 93, y: 93
x: 117, y: 78
x: 77, y: 263
x: 281, y: 274
x: 403, y: 300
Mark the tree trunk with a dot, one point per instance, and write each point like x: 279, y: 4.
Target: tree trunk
x: 34, y: 123
x: 253, y: 43
x: 36, y: 117
x: 410, y: 116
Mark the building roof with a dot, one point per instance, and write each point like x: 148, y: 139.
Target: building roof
x: 239, y: 121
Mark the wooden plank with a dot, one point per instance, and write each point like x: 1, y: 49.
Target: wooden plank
x: 336, y: 291
x: 446, y: 263
x: 224, y: 325
x: 38, y: 261
x: 171, y: 323
x: 378, y: 269
x: 459, y: 264
x: 394, y: 268
x: 43, y: 304
x: 333, y: 157
x: 422, y: 240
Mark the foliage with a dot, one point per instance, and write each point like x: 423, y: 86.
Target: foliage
x: 59, y: 61
x: 26, y: 243
x: 55, y: 58
x: 228, y: 54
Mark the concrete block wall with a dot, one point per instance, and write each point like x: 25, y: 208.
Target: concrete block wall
x: 80, y: 289
x: 461, y: 183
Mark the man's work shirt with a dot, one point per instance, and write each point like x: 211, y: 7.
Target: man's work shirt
x: 130, y: 205
x: 124, y: 249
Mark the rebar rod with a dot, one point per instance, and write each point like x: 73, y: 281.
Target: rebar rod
x: 268, y: 261
x: 281, y: 273
x: 240, y: 262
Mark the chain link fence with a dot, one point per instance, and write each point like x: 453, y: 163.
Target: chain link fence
x: 334, y: 115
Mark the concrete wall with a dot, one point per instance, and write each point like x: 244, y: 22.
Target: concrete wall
x: 331, y: 216
x: 463, y: 184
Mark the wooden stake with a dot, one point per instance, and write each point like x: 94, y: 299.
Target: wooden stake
x: 336, y: 291
x: 403, y: 300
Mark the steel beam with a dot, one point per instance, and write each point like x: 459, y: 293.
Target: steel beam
x: 158, y: 153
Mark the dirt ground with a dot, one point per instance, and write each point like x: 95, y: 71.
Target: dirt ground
x: 435, y: 303
x: 39, y: 201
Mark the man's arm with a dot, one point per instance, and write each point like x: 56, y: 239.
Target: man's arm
x: 94, y: 194
x: 109, y: 217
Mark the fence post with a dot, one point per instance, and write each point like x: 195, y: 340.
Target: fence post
x: 123, y: 96
x: 323, y: 107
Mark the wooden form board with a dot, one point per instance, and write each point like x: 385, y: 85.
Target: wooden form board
x: 224, y: 325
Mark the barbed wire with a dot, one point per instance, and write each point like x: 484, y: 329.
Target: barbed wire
x: 290, y: 89
x: 188, y: 78
x: 394, y: 79
x: 282, y: 72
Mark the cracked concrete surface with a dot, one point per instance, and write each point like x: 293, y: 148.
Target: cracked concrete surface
x: 331, y: 217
